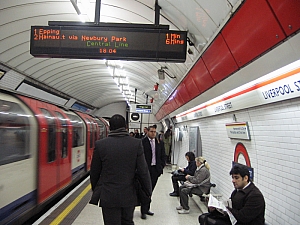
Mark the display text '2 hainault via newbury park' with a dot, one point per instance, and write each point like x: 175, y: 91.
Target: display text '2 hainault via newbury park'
x: 113, y: 43
x: 94, y: 40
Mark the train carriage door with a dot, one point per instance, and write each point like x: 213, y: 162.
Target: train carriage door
x: 105, y: 128
x: 101, y: 128
x: 47, y: 155
x: 91, y: 140
x: 78, y: 144
x: 96, y: 130
x: 63, y: 150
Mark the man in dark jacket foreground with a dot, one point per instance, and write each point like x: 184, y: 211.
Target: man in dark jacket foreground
x: 116, y: 161
x: 248, y: 204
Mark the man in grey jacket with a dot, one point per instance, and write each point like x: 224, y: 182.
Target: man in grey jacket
x: 116, y: 161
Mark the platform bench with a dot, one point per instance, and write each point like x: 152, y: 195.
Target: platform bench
x: 201, y: 201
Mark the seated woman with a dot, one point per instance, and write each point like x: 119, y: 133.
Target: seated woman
x: 189, y: 170
x: 202, y: 178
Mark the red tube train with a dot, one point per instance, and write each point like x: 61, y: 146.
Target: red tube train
x: 44, y: 149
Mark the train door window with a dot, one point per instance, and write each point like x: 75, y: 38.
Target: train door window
x: 51, y: 135
x: 63, y: 134
x: 78, y: 129
x: 89, y: 123
x: 101, y: 129
x: 14, y: 133
x: 95, y: 132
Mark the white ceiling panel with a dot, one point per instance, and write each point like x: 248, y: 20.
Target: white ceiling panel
x: 90, y: 81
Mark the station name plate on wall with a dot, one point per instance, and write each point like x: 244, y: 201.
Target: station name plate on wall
x: 238, y: 130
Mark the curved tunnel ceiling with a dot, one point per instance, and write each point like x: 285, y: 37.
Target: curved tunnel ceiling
x: 90, y: 81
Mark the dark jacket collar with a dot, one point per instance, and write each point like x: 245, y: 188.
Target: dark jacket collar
x: 247, y: 189
x: 121, y: 132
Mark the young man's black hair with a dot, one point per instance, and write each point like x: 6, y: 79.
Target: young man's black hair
x: 117, y: 121
x: 240, y: 169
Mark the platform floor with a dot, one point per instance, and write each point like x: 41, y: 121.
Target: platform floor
x: 163, y: 206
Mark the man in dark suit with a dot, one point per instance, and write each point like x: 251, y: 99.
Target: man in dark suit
x: 156, y: 160
x: 115, y: 162
x: 142, y: 135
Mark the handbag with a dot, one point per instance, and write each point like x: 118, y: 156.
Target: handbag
x: 188, y: 184
x: 203, y: 218
x: 214, y: 218
x: 143, y: 198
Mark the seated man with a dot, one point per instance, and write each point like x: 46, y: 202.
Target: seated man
x: 181, y: 173
x: 248, y: 204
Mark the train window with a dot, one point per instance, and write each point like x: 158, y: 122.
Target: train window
x: 14, y: 133
x: 78, y: 129
x: 102, y: 129
x: 51, y: 135
x: 63, y: 134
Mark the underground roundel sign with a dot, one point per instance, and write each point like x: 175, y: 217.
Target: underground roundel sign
x: 135, y: 116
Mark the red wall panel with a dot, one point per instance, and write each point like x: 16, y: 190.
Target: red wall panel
x: 190, y: 86
x: 219, y: 60
x: 166, y: 111
x: 174, y: 103
x: 163, y: 111
x: 256, y: 27
x: 252, y: 30
x: 169, y: 107
x: 158, y: 115
x: 175, y: 96
x: 201, y: 76
x: 287, y: 13
x: 183, y: 93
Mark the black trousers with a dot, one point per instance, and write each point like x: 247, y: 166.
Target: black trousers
x: 118, y: 215
x: 175, y: 180
x: 154, y: 177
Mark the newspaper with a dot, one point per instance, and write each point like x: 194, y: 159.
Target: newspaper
x: 219, y: 205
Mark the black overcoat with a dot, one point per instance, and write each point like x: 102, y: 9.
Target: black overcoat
x: 248, y: 206
x: 116, y: 160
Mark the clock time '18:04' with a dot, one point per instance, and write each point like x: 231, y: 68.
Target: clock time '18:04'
x: 109, y: 50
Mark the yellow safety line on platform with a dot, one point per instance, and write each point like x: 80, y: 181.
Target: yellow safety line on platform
x: 70, y: 207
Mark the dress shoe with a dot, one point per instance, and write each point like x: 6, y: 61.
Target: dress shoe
x: 202, y: 199
x: 174, y: 194
x: 179, y: 207
x: 150, y: 213
x: 143, y: 216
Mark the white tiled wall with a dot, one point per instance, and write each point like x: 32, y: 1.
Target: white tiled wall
x: 274, y: 152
